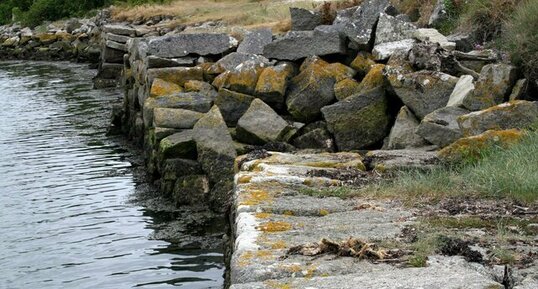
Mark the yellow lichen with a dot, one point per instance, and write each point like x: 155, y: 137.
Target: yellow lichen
x: 362, y: 63
x: 324, y: 212
x: 263, y: 215
x: 278, y: 245
x: 373, y: 79
x: 255, y: 197
x: 272, y: 227
x: 244, y: 179
x: 288, y: 213
x: 160, y: 87
x: 278, y: 285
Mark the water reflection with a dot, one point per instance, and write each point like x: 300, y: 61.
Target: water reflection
x: 65, y: 219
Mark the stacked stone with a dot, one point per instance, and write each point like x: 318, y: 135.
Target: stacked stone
x: 75, y: 40
x: 369, y: 79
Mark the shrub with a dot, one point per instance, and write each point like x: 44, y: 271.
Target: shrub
x: 521, y: 38
x: 486, y: 18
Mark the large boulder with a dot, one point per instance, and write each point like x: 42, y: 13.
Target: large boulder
x: 384, y: 51
x: 160, y: 62
x: 178, y: 145
x: 358, y: 23
x: 175, y: 118
x: 232, y: 105
x: 346, y: 88
x: 403, y: 134
x: 373, y: 79
x: 434, y: 36
x: 470, y: 148
x: 273, y: 83
x: 423, y: 91
x: 189, y: 100
x: 304, y: 19
x: 161, y: 87
x: 295, y: 45
x: 261, y: 124
x: 190, y: 190
x: 362, y: 63
x: 390, y: 29
x: 234, y: 59
x: 441, y: 126
x: 493, y: 86
x: 519, y: 114
x: 244, y: 77
x: 255, y: 41
x: 216, y: 154
x: 180, y: 45
x: 359, y: 121
x: 311, y: 90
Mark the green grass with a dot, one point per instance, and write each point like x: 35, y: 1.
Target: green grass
x: 500, y: 174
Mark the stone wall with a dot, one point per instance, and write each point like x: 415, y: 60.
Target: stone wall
x: 369, y: 80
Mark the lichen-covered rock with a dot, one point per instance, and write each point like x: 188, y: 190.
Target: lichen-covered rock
x: 340, y: 71
x: 383, y: 51
x: 495, y: 83
x: 244, y: 77
x: 180, y: 45
x: 175, y: 118
x: 373, y: 79
x: 273, y: 83
x: 232, y: 105
x: 232, y: 60
x: 177, y: 75
x: 304, y: 19
x: 519, y: 90
x: 441, y: 126
x: 261, y: 124
x: 185, y: 100
x: 172, y: 169
x: 470, y: 148
x: 160, y: 62
x: 161, y: 87
x: 362, y: 63
x: 433, y: 36
x: 314, y: 136
x: 463, y: 89
x: 178, y: 145
x: 255, y: 41
x: 518, y: 114
x: 216, y: 154
x: 309, y: 91
x: 346, y: 88
x: 358, y: 121
x: 201, y: 87
x: 423, y: 91
x: 403, y: 134
x: 295, y: 45
x: 390, y: 29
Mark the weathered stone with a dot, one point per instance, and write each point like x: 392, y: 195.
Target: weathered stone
x: 519, y: 90
x: 190, y: 190
x: 160, y: 62
x: 172, y: 169
x: 358, y: 121
x: 234, y: 59
x: 295, y: 45
x: 216, y: 154
x: 117, y: 38
x: 314, y: 136
x: 11, y: 42
x: 463, y: 89
x: 362, y: 63
x: 178, y: 145
x: 385, y: 50
x: 273, y: 83
x: 112, y: 55
x: 255, y: 41
x: 161, y: 87
x: 244, y: 77
x: 201, y: 87
x: 358, y: 23
x: 484, y: 57
x: 346, y: 88
x: 397, y: 160
x: 463, y: 41
x: 175, y: 118
x: 190, y: 100
x: 495, y: 83
x: 373, y: 79
x: 158, y: 133
x: 441, y: 126
x: 340, y: 71
x: 309, y: 91
x: 116, y: 45
x: 304, y: 19
x: 423, y: 91
x: 178, y: 75
x: 232, y: 105
x: 518, y: 114
x: 403, y: 134
x: 434, y: 36
x: 391, y: 29
x: 119, y: 30
x: 184, y: 44
x: 261, y: 124
x: 469, y: 148
x: 110, y: 71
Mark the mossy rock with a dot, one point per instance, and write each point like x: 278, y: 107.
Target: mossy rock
x: 363, y: 63
x: 469, y: 149
x: 177, y: 75
x: 178, y: 145
x: 373, y: 79
x: 346, y: 88
x: 273, y: 83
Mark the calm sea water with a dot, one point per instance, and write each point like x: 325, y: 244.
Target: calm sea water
x: 65, y: 216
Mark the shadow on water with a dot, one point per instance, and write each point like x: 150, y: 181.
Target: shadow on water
x: 75, y: 208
